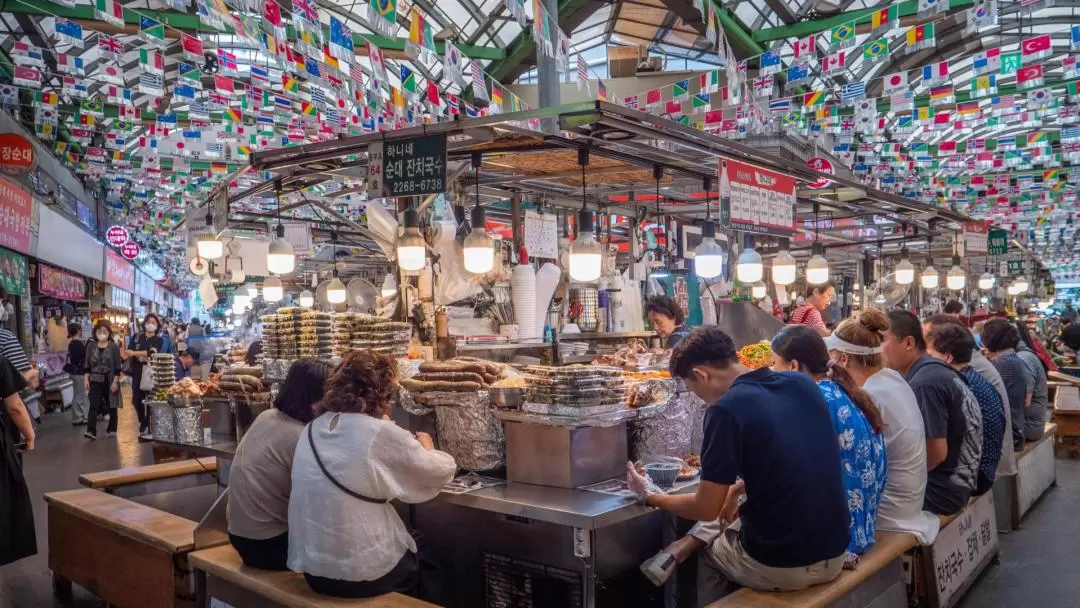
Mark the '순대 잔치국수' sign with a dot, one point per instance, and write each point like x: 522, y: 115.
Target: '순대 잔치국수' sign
x: 59, y: 284
x: 755, y: 199
x: 410, y: 167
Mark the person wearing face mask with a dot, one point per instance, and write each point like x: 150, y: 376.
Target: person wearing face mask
x: 101, y: 379
x: 768, y: 436
x: 143, y: 345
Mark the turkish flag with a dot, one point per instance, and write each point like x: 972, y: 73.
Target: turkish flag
x: 1036, y: 47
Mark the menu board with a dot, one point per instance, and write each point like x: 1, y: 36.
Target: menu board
x: 16, y: 213
x: 13, y: 273
x: 975, y: 238
x: 753, y: 199
x: 60, y: 284
x: 410, y: 167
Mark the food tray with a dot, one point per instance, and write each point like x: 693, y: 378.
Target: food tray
x: 575, y: 383
x: 580, y: 393
x: 566, y: 410
x: 573, y: 371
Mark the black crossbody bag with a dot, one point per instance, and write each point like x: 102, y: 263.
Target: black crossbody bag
x: 341, y: 486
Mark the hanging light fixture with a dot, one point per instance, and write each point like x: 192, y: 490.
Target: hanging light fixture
x: 929, y: 277
x: 957, y: 276
x: 478, y: 250
x: 411, y: 248
x: 1021, y: 284
x: 749, y: 268
x: 986, y: 281
x: 335, y: 290
x: 904, y: 272
x: 280, y: 257
x: 389, y: 285
x: 817, y: 269
x: 586, y: 254
x: 783, y: 266
x: 272, y: 290
x: 306, y: 299
x: 709, y: 255
x: 758, y: 291
x: 208, y: 246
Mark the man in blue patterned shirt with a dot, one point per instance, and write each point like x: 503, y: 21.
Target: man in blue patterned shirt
x: 954, y: 344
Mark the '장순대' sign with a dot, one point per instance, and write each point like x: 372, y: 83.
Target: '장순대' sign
x: 410, y: 167
x: 963, y: 547
x: 755, y: 199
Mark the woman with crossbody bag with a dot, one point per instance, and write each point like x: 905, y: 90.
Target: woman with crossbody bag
x: 143, y: 346
x: 102, y: 379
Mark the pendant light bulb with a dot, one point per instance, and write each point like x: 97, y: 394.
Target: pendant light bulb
x: 1021, y: 284
x: 749, y: 268
x: 280, y: 258
x: 708, y: 256
x: 986, y: 281
x: 586, y: 254
x: 929, y: 277
x: 957, y: 277
x: 758, y: 291
x: 209, y: 247
x: 783, y: 268
x: 272, y: 290
x: 307, y: 299
x: 335, y: 291
x: 817, y: 269
x: 411, y: 248
x: 479, y: 251
x: 905, y: 270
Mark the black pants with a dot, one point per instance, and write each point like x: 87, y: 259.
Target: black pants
x: 268, y: 554
x: 404, y: 578
x: 100, y: 406
x: 138, y: 401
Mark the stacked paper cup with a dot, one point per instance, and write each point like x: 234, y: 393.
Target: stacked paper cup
x: 547, y: 279
x: 523, y: 296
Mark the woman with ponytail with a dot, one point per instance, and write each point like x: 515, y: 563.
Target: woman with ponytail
x: 857, y: 421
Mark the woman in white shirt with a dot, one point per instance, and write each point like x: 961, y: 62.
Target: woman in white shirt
x: 260, y: 479
x: 855, y: 345
x: 344, y: 534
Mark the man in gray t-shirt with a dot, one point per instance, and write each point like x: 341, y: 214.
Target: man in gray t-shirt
x: 1035, y: 412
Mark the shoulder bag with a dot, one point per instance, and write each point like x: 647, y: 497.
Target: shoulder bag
x: 340, y: 486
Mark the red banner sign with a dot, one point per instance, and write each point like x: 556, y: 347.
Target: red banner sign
x: 16, y: 211
x: 130, y: 250
x: 16, y: 154
x: 117, y: 236
x: 119, y: 272
x: 59, y: 284
x: 824, y: 165
x: 754, y: 199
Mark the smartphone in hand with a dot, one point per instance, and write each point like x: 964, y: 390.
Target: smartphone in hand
x: 20, y: 447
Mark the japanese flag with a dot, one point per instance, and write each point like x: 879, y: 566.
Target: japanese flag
x: 895, y: 82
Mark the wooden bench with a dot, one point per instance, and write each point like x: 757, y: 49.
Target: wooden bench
x: 879, y: 581
x: 965, y: 546
x: 1036, y: 472
x: 1067, y: 417
x: 221, y: 576
x: 128, y: 554
x: 155, y: 478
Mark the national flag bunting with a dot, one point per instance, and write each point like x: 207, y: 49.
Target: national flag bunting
x: 109, y: 11
x: 68, y: 32
x: 921, y: 36
x: 1036, y: 48
x: 882, y: 21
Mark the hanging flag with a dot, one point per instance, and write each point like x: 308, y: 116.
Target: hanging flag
x: 929, y: 8
x: 110, y: 48
x: 191, y: 47
x: 986, y: 62
x: 923, y: 115
x: 341, y: 41
x: 763, y: 87
x: 805, y: 49
x: 813, y: 99
x: 66, y: 64
x: 797, y: 74
x: 378, y: 66
x: 27, y: 54
x: 897, y: 81
x: 189, y: 74
x: 1036, y: 48
x: 942, y: 95
x: 151, y: 84
x: 1030, y: 76
x: 382, y: 16
x: 709, y: 82
x: 109, y: 11
x: 152, y: 61
x: 26, y: 76
x: 68, y: 32
x: 921, y: 36
x: 852, y: 92
x: 227, y: 63
x: 842, y: 36
x: 583, y: 74
x: 902, y: 101
x: 769, y: 63
x: 700, y: 102
x: 680, y: 90
x: 223, y: 85
x: 408, y: 81
x: 1074, y: 38
x: 452, y: 64
x: 542, y: 30
x: 779, y: 106
x: 479, y: 85
x: 984, y: 85
x: 935, y: 73
x: 421, y: 42
x: 882, y: 21
x: 983, y: 15
x: 1038, y: 99
x: 74, y: 87
x: 832, y: 63
x: 152, y: 31
x: 876, y: 50
x: 260, y: 75
x: 272, y: 20
x: 1069, y: 67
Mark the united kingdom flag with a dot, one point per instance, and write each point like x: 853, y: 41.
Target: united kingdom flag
x: 110, y: 47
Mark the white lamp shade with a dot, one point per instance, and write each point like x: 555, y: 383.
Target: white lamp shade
x: 412, y: 251
x: 783, y: 268
x: 272, y: 289
x: 238, y: 306
x: 930, y: 278
x: 1021, y: 285
x: 307, y: 299
x: 586, y: 259
x: 758, y: 291
x: 335, y: 291
x: 749, y: 268
x: 986, y: 281
x: 817, y: 270
x: 708, y: 259
x: 209, y: 248
x: 956, y: 279
x: 904, y: 272
x: 280, y: 258
x: 479, y: 254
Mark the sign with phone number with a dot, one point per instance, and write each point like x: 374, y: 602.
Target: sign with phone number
x: 410, y: 167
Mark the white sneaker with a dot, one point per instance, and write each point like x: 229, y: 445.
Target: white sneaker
x: 90, y: 436
x: 658, y: 568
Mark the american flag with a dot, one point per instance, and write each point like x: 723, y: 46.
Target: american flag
x: 582, y: 72
x: 479, y: 84
x: 356, y: 73
x: 1002, y: 104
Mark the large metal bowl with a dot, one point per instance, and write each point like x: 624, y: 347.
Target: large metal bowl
x: 506, y: 397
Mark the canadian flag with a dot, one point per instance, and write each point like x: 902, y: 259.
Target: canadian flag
x: 832, y: 63
x: 804, y: 49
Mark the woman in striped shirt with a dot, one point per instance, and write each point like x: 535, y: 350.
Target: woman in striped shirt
x: 818, y: 298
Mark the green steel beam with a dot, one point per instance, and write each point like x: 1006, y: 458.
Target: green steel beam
x: 862, y: 15
x: 742, y: 41
x: 190, y: 23
x: 523, y: 46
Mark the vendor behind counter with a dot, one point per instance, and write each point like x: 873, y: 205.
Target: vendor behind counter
x: 667, y: 318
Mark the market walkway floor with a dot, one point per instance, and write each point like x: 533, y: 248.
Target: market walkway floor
x: 1037, y: 566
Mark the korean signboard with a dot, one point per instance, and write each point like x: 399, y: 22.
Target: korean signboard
x: 16, y: 213
x: 117, y: 236
x: 411, y: 167
x: 118, y: 271
x: 13, y: 273
x: 963, y: 548
x: 997, y: 242
x: 1016, y: 267
x: 824, y: 165
x: 16, y: 154
x: 59, y: 284
x: 753, y: 199
x: 976, y: 238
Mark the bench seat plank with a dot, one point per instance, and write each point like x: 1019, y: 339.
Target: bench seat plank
x: 132, y: 475
x: 888, y: 546
x: 145, y: 524
x: 285, y: 588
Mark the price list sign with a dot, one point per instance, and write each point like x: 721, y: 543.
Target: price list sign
x: 410, y: 167
x: 997, y: 242
x: 753, y: 199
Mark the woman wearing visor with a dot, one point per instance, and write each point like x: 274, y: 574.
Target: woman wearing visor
x: 855, y: 345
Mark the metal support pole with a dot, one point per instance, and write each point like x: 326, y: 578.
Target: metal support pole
x: 546, y: 70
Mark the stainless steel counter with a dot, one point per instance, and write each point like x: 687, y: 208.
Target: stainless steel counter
x: 574, y: 508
